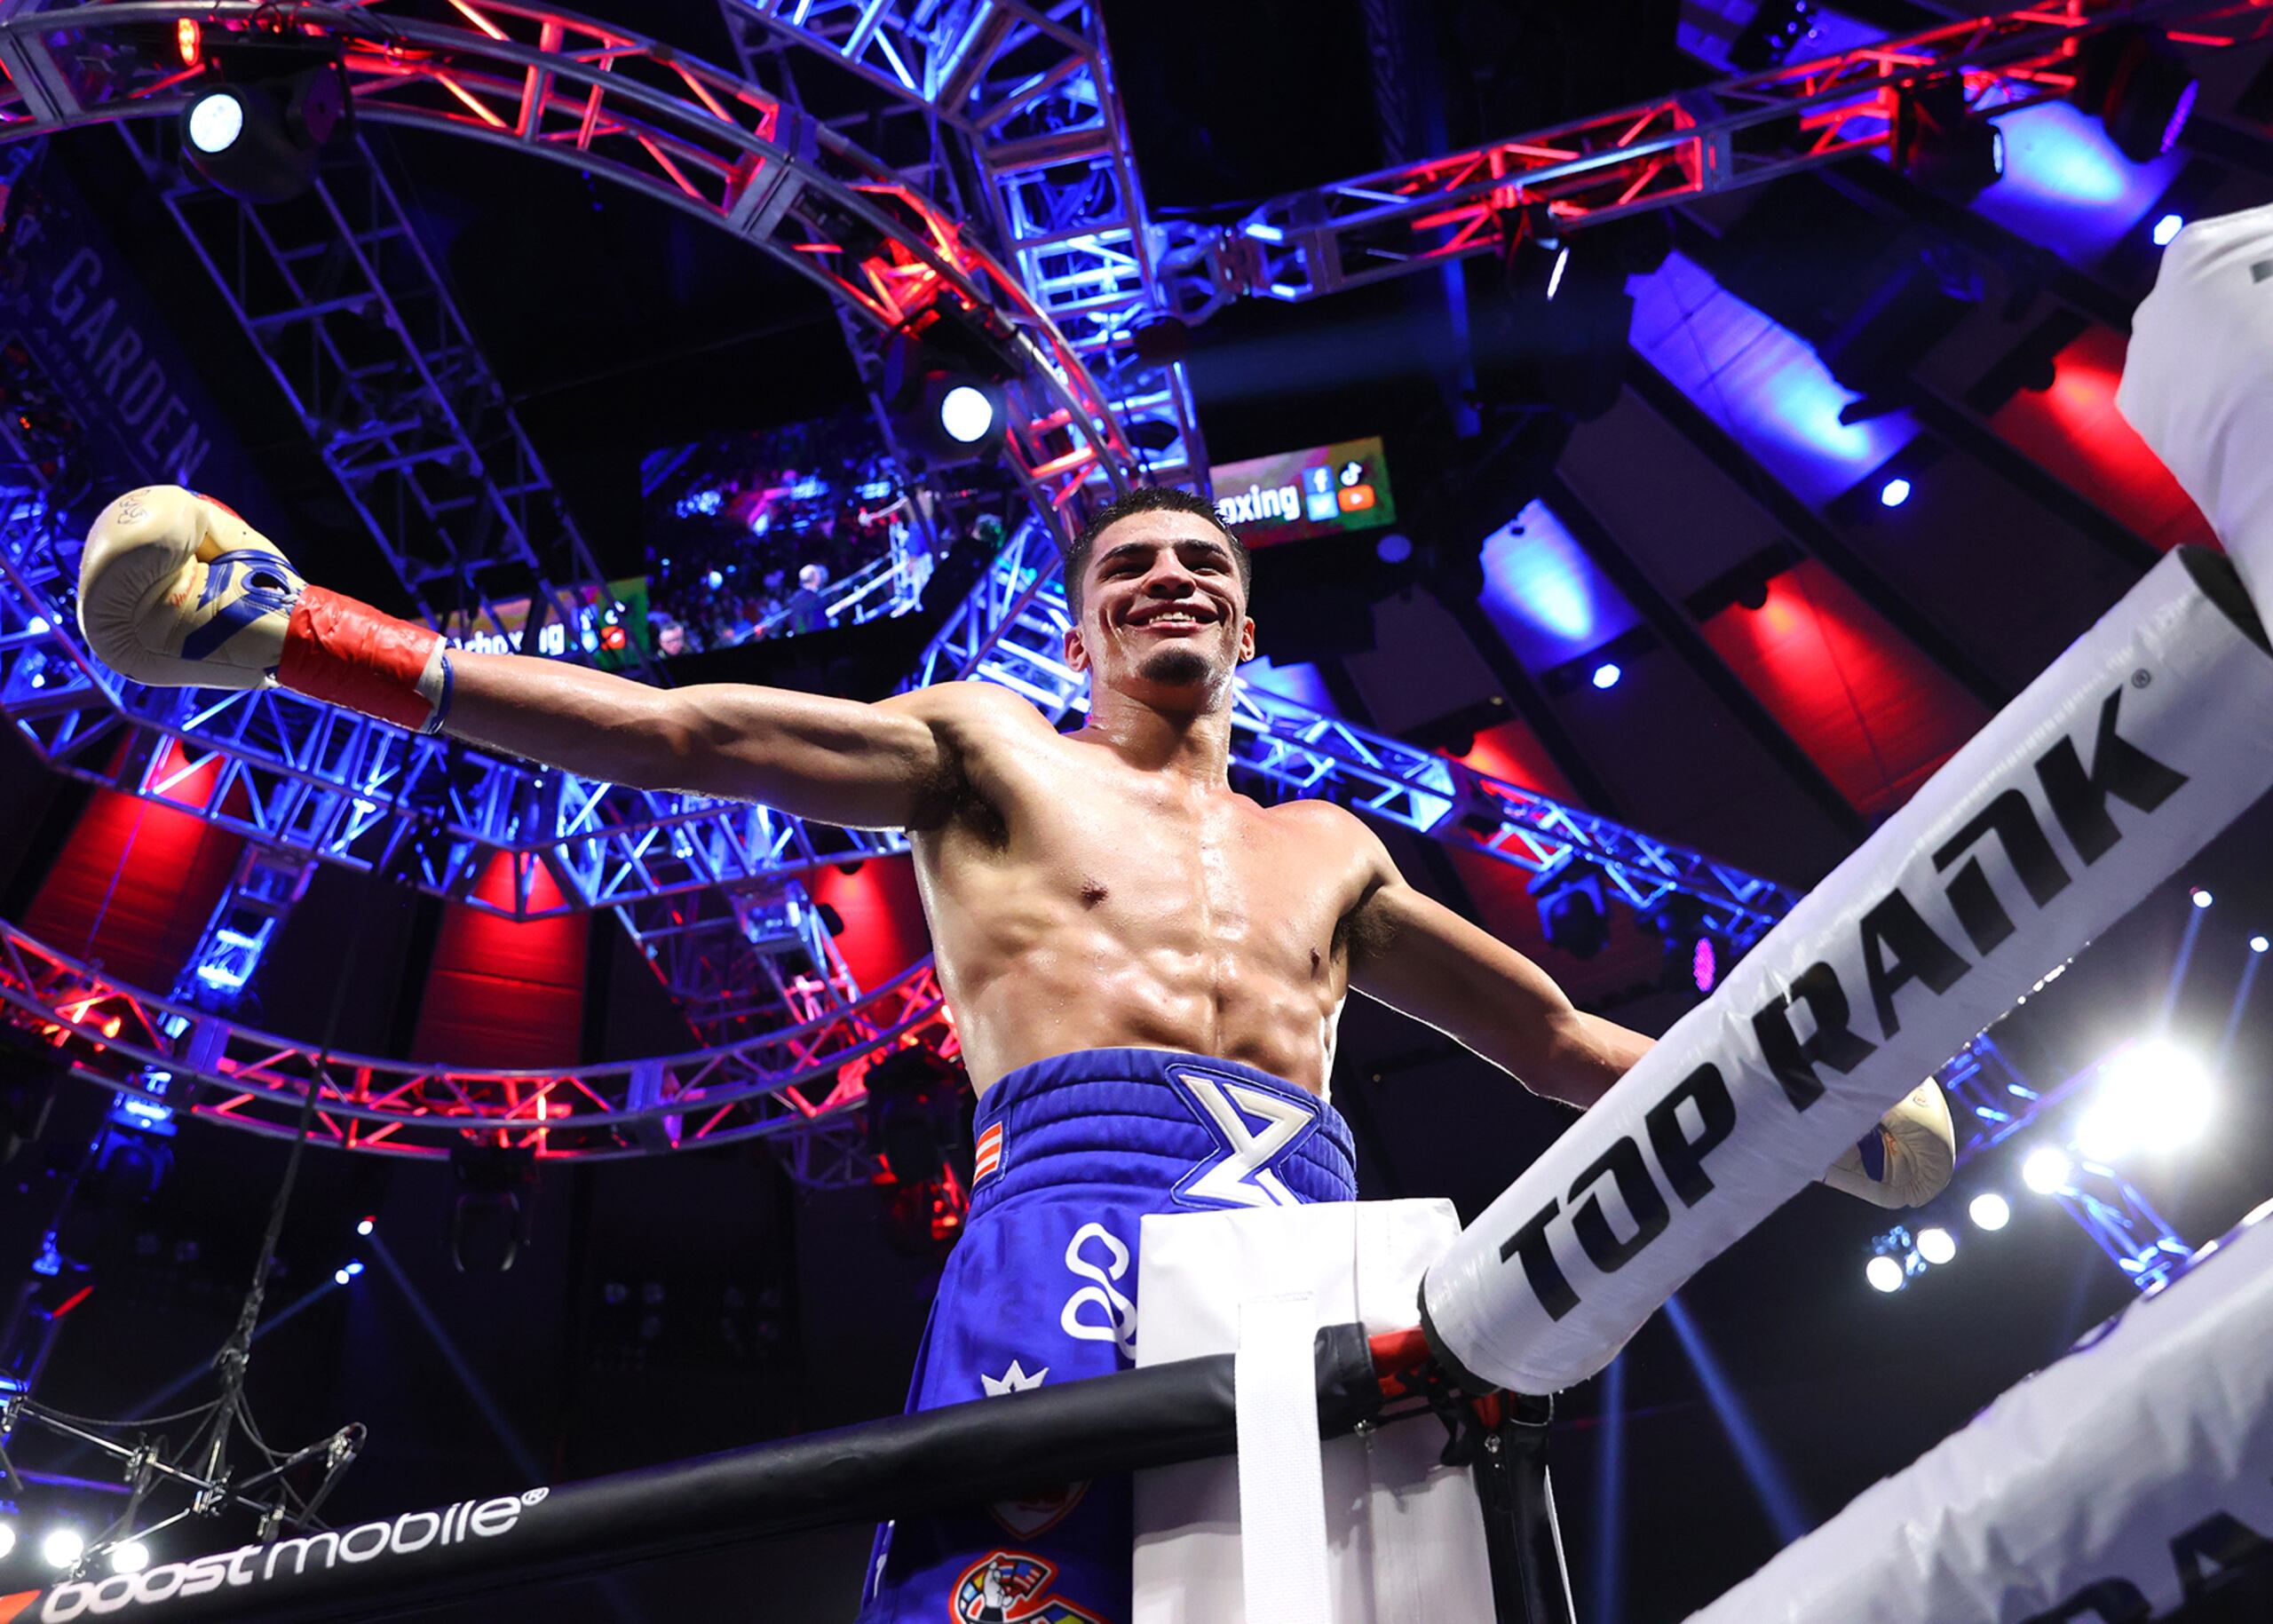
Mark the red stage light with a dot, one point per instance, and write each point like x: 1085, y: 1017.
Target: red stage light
x: 190, y: 42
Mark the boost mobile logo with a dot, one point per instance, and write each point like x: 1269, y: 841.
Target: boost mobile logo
x: 1895, y: 946
x: 251, y: 1564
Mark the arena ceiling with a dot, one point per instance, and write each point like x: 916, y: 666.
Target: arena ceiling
x: 1794, y: 657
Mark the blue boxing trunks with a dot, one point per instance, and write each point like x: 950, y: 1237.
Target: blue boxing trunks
x: 1072, y: 1152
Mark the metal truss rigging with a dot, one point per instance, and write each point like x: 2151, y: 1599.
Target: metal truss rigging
x: 342, y: 302
x: 1012, y: 110
x: 785, y: 1084
x: 1738, y: 132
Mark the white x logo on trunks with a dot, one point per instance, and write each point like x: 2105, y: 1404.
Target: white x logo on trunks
x: 1243, y: 1177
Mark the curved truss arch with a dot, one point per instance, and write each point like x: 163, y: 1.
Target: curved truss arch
x: 783, y: 1083
x: 617, y: 104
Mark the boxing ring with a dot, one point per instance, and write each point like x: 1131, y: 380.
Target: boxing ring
x: 2134, y: 1475
x: 2139, y: 1467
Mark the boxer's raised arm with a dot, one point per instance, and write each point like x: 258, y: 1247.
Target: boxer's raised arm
x: 1412, y: 953
x: 890, y: 764
x: 177, y: 589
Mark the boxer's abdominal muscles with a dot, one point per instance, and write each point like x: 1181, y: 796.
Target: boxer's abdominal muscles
x: 1124, y: 911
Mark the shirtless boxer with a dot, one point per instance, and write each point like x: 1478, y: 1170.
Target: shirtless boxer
x: 1146, y: 968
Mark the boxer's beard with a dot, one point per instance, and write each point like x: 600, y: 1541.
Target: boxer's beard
x: 1175, y: 667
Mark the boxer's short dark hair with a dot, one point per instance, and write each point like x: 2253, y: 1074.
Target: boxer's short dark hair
x: 1146, y: 499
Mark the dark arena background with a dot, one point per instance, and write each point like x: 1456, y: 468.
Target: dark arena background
x: 1666, y: 430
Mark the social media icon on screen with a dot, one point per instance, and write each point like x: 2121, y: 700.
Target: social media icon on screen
x: 1318, y: 479
x: 1321, y: 505
x: 1356, y: 498
x: 1352, y: 472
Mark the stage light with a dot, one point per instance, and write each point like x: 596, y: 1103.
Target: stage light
x: 62, y: 1547
x: 2167, y: 228
x: 2046, y: 1170
x: 366, y: 1226
x: 1943, y: 147
x: 1394, y: 547
x: 1554, y: 277
x: 7, y: 1539
x: 37, y: 626
x: 966, y: 414
x: 2152, y: 1096
x: 1894, y: 493
x: 1936, y: 1246
x: 2257, y: 944
x: 129, y: 1557
x: 1573, y: 906
x: 1606, y: 675
x: 1989, y: 1211
x: 339, y: 1277
x: 256, y: 135
x: 189, y: 41
x: 1884, y: 1273
x: 2201, y: 899
x: 215, y: 121
x: 354, y: 1267
x: 2136, y: 81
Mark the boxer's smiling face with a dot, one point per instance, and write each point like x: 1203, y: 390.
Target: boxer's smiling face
x: 1163, y: 613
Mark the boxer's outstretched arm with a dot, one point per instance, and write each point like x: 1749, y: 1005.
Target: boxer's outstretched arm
x: 889, y: 764
x: 1416, y: 955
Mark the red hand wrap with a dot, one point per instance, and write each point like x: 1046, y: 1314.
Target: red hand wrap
x: 349, y: 653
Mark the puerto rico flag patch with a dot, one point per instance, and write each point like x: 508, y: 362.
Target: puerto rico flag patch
x: 989, y: 1158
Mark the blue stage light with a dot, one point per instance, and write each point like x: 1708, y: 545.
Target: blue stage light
x: 1394, y: 547
x: 355, y: 1267
x: 2202, y: 899
x: 2257, y: 944
x: 1894, y: 493
x: 1606, y: 675
x: 2168, y: 227
x: 365, y: 1227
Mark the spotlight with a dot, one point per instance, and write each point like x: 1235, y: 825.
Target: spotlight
x: 1573, y: 908
x: 2141, y: 89
x: 1894, y: 493
x: 1554, y: 277
x: 1884, y: 1273
x: 1606, y: 675
x: 189, y: 41
x: 129, y: 1557
x: 366, y: 1226
x: 354, y: 1267
x: 2152, y: 1097
x: 2201, y: 899
x: 339, y: 1277
x: 37, y: 626
x: 256, y: 135
x: 1989, y: 1211
x: 2167, y: 228
x: 7, y: 1539
x: 1942, y: 147
x: 966, y: 414
x: 215, y: 121
x: 62, y: 1547
x: 1936, y: 1246
x: 947, y: 408
x: 2257, y: 944
x: 2046, y: 1171
x: 1394, y: 547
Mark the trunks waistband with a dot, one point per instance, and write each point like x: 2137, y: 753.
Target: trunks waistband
x: 1211, y: 1133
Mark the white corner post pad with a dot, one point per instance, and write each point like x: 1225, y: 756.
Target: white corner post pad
x: 2142, y: 740
x: 2126, y: 1480
x: 1404, y: 1535
x: 2197, y: 380
x: 1282, y: 1486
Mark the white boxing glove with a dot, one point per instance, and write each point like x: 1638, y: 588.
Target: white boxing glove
x: 1905, y: 1161
x: 177, y: 590
x: 2197, y: 384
